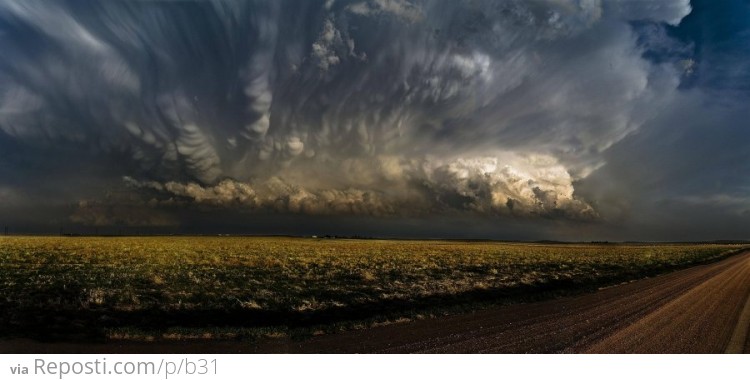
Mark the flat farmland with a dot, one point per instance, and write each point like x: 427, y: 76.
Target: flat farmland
x: 246, y: 288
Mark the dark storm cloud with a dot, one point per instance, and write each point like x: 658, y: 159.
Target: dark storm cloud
x: 683, y: 177
x: 158, y: 113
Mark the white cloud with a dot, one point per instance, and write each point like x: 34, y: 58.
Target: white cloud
x: 324, y: 49
x: 507, y: 184
x: 399, y: 8
x: 669, y: 11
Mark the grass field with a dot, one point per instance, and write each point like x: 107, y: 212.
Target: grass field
x: 240, y: 287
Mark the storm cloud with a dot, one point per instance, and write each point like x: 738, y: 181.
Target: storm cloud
x: 134, y: 112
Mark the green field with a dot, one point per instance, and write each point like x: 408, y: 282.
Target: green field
x: 242, y: 287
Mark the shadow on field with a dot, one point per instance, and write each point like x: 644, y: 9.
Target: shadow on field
x: 90, y: 324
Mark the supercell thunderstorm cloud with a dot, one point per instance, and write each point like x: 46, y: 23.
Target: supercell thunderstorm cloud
x: 566, y: 119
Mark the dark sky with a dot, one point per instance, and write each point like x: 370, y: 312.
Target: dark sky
x: 534, y: 119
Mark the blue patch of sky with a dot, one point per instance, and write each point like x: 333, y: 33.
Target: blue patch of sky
x: 712, y: 45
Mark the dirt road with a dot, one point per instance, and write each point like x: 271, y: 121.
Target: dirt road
x: 704, y: 309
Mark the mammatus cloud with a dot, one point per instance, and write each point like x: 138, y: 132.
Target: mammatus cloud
x: 382, y: 107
